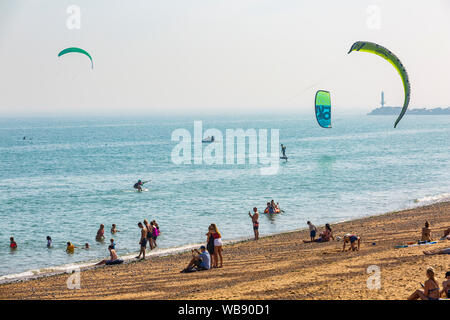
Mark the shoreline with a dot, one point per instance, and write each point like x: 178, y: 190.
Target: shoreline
x: 45, y: 272
x: 278, y: 256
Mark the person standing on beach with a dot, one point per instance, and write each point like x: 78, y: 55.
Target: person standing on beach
x: 155, y: 232
x: 100, y: 233
x: 426, y: 233
x: 143, y: 241
x: 217, y: 246
x: 312, y: 231
x: 255, y: 222
x: 210, y: 244
x: 149, y: 229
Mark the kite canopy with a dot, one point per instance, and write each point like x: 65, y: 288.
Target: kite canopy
x: 374, y: 48
x: 77, y: 50
x: 323, y: 108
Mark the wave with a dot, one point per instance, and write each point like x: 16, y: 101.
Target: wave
x: 443, y: 197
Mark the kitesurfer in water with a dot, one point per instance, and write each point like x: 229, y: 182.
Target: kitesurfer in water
x: 283, y: 150
x: 138, y: 185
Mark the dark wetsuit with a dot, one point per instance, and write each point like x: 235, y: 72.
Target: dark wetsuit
x: 210, y: 245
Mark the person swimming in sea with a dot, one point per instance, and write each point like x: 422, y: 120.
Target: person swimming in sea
x: 255, y: 222
x: 114, y: 228
x: 49, y: 242
x: 70, y: 247
x: 100, y: 233
x: 12, y: 243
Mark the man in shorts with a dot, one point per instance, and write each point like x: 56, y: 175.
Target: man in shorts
x: 143, y: 241
x: 201, y: 260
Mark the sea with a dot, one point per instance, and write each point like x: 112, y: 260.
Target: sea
x: 63, y: 177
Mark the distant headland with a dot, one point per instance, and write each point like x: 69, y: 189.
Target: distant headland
x: 383, y: 111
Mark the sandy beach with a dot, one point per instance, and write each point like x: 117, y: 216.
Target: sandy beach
x: 275, y: 267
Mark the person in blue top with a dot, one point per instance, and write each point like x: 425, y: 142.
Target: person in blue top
x: 201, y: 260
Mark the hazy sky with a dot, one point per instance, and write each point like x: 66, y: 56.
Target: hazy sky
x: 219, y: 56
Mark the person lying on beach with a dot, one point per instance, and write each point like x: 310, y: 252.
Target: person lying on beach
x: 312, y: 230
x: 426, y: 233
x: 114, y: 229
x: 325, y: 236
x: 437, y: 251
x: 255, y: 222
x: 446, y: 235
x: 201, y: 260
x: 70, y: 247
x: 142, y: 241
x: 49, y: 242
x: 113, y: 258
x: 430, y: 288
x: 100, y: 233
x: 12, y: 243
x: 352, y: 239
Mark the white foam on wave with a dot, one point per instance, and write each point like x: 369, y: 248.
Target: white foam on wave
x: 433, y: 199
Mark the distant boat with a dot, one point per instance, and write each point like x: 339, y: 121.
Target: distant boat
x: 208, y: 140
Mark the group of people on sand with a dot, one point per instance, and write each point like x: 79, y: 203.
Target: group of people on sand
x: 149, y: 234
x: 431, y: 289
x: 426, y: 237
x: 209, y: 256
x: 353, y: 240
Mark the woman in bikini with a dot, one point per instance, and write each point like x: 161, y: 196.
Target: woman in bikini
x: 217, y: 246
x: 430, y: 288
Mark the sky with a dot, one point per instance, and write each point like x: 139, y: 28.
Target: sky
x: 219, y: 56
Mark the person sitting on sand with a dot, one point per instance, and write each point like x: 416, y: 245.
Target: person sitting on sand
x: 114, y: 229
x: 217, y: 246
x: 100, y: 233
x: 201, y: 260
x: 426, y: 233
x: 70, y: 247
x: 142, y: 241
x: 431, y: 288
x: 446, y: 235
x: 325, y: 236
x: 312, y: 230
x: 49, y: 242
x: 352, y: 239
x: 437, y: 251
x: 113, y: 258
x: 12, y: 243
x: 255, y: 222
x: 446, y: 285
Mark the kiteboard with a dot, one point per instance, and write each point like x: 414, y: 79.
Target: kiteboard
x: 284, y: 158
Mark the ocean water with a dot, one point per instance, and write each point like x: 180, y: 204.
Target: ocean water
x: 78, y: 173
